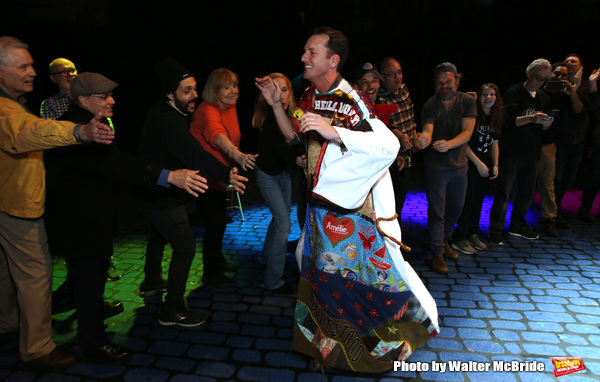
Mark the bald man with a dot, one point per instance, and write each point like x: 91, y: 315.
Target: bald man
x: 62, y: 72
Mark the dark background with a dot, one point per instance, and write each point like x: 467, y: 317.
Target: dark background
x: 488, y: 40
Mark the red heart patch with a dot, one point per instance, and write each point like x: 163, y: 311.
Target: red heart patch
x: 337, y: 230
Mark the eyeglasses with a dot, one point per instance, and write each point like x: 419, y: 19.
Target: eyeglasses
x: 103, y: 97
x: 66, y: 72
x: 393, y: 74
x: 540, y: 78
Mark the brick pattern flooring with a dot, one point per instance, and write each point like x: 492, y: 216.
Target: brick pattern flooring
x: 524, y: 301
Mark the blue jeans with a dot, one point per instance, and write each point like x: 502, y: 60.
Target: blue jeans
x: 445, y: 197
x: 277, y: 192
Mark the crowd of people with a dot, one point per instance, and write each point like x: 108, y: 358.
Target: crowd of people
x: 360, y: 305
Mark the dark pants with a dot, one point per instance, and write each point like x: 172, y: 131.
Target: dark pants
x: 445, y: 197
x: 592, y: 184
x: 88, y: 277
x: 400, y: 181
x: 212, y: 206
x: 524, y: 173
x: 568, y: 159
x: 170, y: 225
x: 477, y: 186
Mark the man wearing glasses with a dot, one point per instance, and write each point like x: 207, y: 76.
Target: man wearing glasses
x: 402, y: 123
x: 62, y: 72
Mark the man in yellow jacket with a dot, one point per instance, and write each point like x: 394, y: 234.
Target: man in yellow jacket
x: 25, y: 264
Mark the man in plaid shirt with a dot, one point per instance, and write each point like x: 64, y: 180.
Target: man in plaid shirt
x: 402, y: 123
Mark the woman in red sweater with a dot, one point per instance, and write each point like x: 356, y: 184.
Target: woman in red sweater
x: 215, y: 126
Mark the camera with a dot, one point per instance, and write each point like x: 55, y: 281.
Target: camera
x: 555, y: 85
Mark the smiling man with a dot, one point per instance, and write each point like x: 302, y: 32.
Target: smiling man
x: 62, y: 72
x: 394, y: 91
x: 350, y: 216
x: 25, y: 263
x: 167, y: 141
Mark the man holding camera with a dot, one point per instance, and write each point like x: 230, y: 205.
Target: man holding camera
x: 566, y: 108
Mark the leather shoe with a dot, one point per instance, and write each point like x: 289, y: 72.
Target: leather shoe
x: 110, y: 353
x: 449, y: 252
x: 55, y: 360
x: 438, y: 265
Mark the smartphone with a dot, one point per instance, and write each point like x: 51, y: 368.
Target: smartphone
x: 555, y: 85
x: 553, y: 112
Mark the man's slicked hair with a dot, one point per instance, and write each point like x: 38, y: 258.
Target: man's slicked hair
x: 337, y: 44
x: 8, y: 42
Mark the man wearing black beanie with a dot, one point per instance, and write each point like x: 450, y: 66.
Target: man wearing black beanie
x: 166, y: 141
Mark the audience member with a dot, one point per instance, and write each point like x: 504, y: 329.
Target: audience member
x: 25, y: 264
x: 402, y: 123
x: 215, y: 125
x: 167, y: 143
x: 525, y: 118
x: 569, y: 146
x: 273, y: 177
x: 566, y: 108
x: 592, y: 183
x: 80, y: 182
x: 448, y: 120
x: 482, y: 153
x: 62, y: 72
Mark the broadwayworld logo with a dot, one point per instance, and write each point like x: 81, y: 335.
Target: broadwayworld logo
x: 567, y: 365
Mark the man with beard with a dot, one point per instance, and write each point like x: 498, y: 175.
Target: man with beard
x: 62, y: 72
x: 525, y: 118
x: 81, y: 182
x: 402, y: 123
x: 167, y: 142
x: 448, y: 121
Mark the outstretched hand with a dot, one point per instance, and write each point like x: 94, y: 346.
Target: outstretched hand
x: 96, y: 131
x: 189, y: 180
x: 236, y: 180
x: 270, y: 89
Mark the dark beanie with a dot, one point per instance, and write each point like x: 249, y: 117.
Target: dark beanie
x: 171, y: 73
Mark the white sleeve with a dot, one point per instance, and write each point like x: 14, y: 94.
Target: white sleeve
x: 347, y: 176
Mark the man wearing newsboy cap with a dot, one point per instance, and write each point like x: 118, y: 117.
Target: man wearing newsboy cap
x: 80, y: 211
x: 25, y: 264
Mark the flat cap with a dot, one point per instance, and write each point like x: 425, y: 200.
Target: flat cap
x: 88, y: 83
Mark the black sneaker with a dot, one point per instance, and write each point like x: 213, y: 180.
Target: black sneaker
x: 110, y: 353
x: 550, y: 227
x: 150, y: 289
x: 496, y: 238
x: 186, y: 318
x: 524, y: 232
